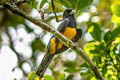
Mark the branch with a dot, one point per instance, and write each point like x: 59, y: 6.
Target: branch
x: 62, y: 38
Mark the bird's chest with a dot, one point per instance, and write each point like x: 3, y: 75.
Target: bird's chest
x: 69, y: 33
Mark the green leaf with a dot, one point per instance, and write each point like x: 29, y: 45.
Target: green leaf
x: 115, y: 32
x: 69, y: 77
x: 95, y: 31
x: 70, y: 64
x: 81, y: 4
x: 71, y: 70
x: 65, y: 3
x: 104, y: 70
x: 116, y: 9
x: 31, y: 76
x: 111, y: 35
x: 116, y: 19
x: 107, y: 36
x: 29, y: 29
x: 47, y: 77
x: 89, y: 47
x: 33, y: 3
x: 37, y: 78
x: 42, y: 3
x: 84, y: 65
x: 97, y: 59
x: 93, y: 48
x: 76, y: 4
x: 38, y: 45
x: 89, y: 77
x: 15, y: 20
x: 61, y: 77
x: 85, y: 72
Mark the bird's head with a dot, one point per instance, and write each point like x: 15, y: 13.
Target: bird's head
x: 68, y: 13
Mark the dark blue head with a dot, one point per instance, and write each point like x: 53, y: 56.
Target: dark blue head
x: 68, y: 13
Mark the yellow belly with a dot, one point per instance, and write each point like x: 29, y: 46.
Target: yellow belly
x: 52, y: 48
x: 70, y: 33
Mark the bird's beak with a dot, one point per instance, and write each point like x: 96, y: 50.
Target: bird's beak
x: 72, y: 12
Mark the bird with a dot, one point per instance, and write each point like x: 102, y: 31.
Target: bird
x: 69, y: 29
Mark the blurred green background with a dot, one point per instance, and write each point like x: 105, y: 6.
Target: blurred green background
x: 23, y: 44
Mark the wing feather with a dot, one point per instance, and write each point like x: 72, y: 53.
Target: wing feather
x: 63, y: 25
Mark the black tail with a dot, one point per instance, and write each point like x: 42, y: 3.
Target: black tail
x: 78, y: 35
x: 44, y: 64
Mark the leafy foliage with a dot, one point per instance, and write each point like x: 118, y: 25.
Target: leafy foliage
x: 81, y: 4
x: 104, y: 53
x: 95, y: 31
x: 116, y: 9
x: 78, y: 5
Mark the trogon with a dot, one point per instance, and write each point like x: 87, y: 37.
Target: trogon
x: 69, y: 29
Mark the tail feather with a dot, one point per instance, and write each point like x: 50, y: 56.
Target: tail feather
x: 44, y: 64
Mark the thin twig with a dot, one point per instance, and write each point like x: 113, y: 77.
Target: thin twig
x: 53, y: 8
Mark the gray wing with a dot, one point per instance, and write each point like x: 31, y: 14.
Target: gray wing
x: 63, y: 25
x: 61, y: 29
